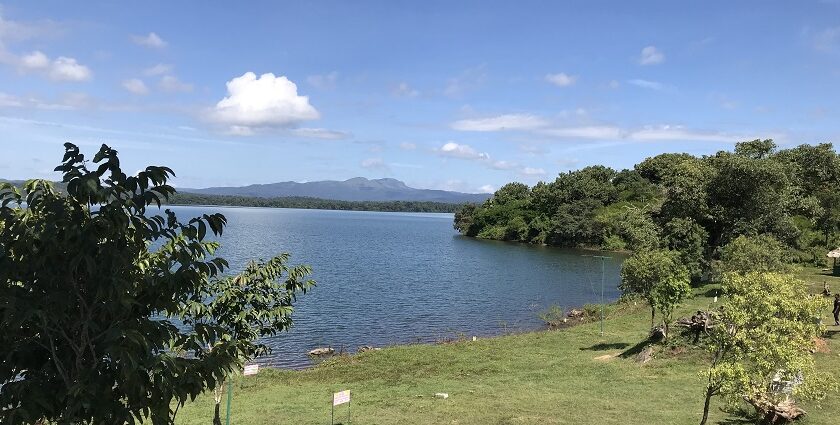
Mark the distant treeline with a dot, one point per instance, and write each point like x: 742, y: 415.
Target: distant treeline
x: 690, y: 204
x: 184, y: 198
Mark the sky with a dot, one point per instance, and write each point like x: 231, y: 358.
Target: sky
x: 464, y: 96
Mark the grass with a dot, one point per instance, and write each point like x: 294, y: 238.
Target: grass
x: 569, y: 376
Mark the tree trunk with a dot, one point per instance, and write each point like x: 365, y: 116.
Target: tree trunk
x: 216, y: 419
x: 652, y: 316
x: 706, y: 404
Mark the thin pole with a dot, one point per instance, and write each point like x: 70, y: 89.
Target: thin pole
x: 602, y: 258
x: 229, y: 398
x: 348, y: 411
x: 332, y: 413
x: 602, y: 296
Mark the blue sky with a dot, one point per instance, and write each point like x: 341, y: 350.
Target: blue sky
x: 452, y: 95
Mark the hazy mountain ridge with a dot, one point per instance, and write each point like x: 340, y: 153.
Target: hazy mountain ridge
x: 355, y: 189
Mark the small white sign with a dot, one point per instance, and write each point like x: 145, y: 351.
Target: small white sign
x: 251, y: 369
x: 341, y: 398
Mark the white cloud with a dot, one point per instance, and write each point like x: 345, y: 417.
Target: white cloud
x: 404, y: 90
x: 677, y: 132
x: 647, y: 84
x: 172, y: 84
x: 487, y: 189
x: 136, y: 86
x: 35, y: 61
x: 501, y: 122
x: 68, y: 69
x: 408, y: 146
x: 159, y: 69
x: 503, y: 165
x: 529, y: 171
x: 561, y: 80
x: 455, y: 150
x: 323, y: 82
x: 267, y: 101
x: 61, y: 69
x: 151, y: 40
x: 374, y: 164
x: 320, y: 133
x: 651, y: 56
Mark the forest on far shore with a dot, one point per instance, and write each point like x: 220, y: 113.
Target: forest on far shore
x: 186, y: 198
x: 787, y: 198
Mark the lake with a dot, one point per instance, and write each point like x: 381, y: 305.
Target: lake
x: 397, y: 278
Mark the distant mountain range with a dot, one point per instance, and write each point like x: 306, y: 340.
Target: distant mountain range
x: 355, y: 189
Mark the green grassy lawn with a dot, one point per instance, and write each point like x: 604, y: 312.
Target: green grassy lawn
x: 571, y: 376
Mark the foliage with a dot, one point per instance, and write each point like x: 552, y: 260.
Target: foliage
x: 745, y: 254
x: 553, y: 316
x: 659, y: 278
x: 111, y: 314
x: 312, y: 203
x: 676, y: 201
x: 764, y: 332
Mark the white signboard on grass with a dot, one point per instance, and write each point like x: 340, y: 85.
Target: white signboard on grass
x: 251, y: 369
x: 341, y: 398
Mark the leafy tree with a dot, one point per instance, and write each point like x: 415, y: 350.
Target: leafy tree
x: 633, y: 226
x: 688, y: 238
x: 765, y: 329
x: 464, y: 220
x: 747, y: 254
x: 657, y: 168
x: 749, y: 196
x: 756, y: 149
x: 512, y: 192
x: 109, y: 312
x: 659, y: 278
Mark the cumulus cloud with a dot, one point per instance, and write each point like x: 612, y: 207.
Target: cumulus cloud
x: 561, y: 80
x: 487, y: 189
x: 262, y: 102
x: 68, y: 69
x: 501, y: 122
x: 651, y: 56
x: 172, y: 84
x: 61, y: 69
x: 151, y: 40
x: 136, y: 86
x: 159, y: 69
x: 404, y: 90
x: 323, y: 82
x: 455, y: 150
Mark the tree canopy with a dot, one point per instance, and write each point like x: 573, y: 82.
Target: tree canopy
x: 112, y: 314
x: 689, y: 204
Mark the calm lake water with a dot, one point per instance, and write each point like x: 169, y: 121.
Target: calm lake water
x: 397, y: 278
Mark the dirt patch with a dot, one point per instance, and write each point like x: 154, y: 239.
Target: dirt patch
x: 607, y: 357
x: 821, y: 346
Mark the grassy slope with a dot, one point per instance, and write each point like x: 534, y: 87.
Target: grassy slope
x: 550, y: 377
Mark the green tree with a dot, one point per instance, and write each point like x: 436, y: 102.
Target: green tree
x: 659, y: 278
x: 756, y: 149
x: 745, y: 254
x: 764, y: 331
x: 688, y: 238
x: 109, y: 312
